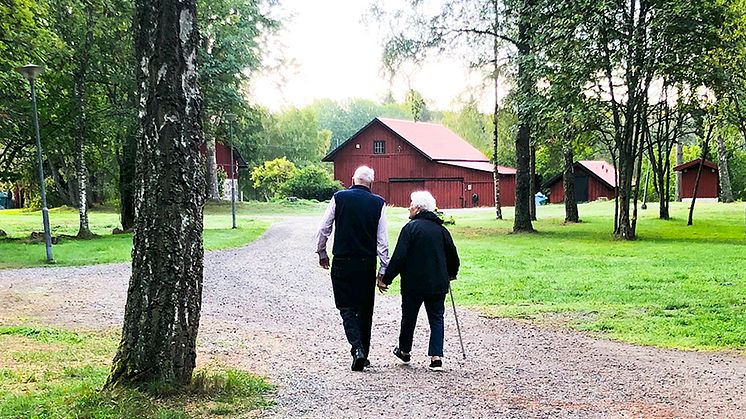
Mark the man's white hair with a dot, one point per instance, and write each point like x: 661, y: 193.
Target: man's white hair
x: 423, y: 200
x: 364, y: 174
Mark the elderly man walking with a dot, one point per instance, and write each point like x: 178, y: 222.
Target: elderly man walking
x: 359, y: 220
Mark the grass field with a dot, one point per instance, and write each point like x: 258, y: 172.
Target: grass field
x: 677, y: 286
x: 49, y: 373
x: 252, y: 220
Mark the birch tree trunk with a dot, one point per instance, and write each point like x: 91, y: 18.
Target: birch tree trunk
x: 679, y: 161
x: 212, y: 170
x: 81, y: 132
x: 726, y: 191
x: 165, y: 291
x: 495, y: 120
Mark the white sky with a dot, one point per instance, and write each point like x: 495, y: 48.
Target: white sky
x: 338, y: 57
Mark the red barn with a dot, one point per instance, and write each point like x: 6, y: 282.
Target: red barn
x: 223, y: 161
x: 409, y: 156
x: 709, y: 182
x: 594, y: 179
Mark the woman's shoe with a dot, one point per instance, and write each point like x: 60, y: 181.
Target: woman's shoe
x: 436, y: 365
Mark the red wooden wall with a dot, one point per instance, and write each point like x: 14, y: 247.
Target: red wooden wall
x: 709, y: 183
x: 596, y: 189
x: 222, y: 157
x: 403, y: 170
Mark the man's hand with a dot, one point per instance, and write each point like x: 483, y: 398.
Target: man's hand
x: 324, y: 263
x: 382, y: 287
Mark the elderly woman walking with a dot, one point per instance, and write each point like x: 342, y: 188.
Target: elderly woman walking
x: 427, y: 260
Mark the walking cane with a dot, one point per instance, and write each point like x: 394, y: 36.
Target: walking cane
x: 460, y: 339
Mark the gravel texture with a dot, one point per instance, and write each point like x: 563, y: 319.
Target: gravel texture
x: 268, y: 308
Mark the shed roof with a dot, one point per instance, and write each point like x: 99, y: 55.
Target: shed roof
x: 600, y: 169
x: 682, y: 167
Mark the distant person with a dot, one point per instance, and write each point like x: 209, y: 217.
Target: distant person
x: 359, y: 220
x: 427, y: 260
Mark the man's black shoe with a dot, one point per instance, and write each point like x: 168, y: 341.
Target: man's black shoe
x: 402, y: 357
x: 358, y: 360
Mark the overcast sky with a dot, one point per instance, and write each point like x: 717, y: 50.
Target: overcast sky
x: 337, y: 56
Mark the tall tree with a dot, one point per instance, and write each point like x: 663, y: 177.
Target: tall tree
x: 165, y: 292
x: 468, y: 29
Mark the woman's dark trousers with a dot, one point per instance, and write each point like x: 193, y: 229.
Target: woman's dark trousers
x: 435, y: 308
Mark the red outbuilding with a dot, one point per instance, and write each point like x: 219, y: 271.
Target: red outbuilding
x: 709, y: 182
x: 409, y: 156
x: 594, y: 179
x: 223, y: 161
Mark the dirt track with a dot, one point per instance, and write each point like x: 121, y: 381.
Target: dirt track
x: 268, y: 308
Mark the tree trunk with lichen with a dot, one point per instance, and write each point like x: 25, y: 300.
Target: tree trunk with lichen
x: 165, y: 291
x: 81, y: 131
x: 568, y: 183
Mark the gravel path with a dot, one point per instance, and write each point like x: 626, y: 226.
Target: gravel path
x: 268, y: 308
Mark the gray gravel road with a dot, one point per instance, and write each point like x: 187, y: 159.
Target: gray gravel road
x: 268, y: 308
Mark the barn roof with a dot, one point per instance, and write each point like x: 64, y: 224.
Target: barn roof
x: 481, y: 166
x: 599, y: 169
x: 434, y: 141
x: 682, y: 167
x: 602, y: 169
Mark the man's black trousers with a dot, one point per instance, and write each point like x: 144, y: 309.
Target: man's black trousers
x: 354, y: 283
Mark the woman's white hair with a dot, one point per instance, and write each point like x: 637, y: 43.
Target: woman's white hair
x: 423, y: 200
x: 363, y: 174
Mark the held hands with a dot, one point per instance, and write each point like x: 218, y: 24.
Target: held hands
x: 380, y: 284
x: 324, y: 262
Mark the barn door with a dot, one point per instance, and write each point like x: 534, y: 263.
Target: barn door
x: 581, y: 187
x: 447, y: 193
x: 399, y: 192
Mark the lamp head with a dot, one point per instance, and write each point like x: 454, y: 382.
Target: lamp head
x: 30, y: 71
x: 230, y: 117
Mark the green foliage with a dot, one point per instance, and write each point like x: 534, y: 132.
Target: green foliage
x: 417, y: 106
x: 270, y: 176
x: 55, y: 373
x: 311, y: 182
x: 294, y: 134
x: 477, y: 128
x: 222, y: 177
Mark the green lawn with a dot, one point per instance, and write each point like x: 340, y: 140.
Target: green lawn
x: 50, y: 373
x: 677, y: 286
x: 252, y: 220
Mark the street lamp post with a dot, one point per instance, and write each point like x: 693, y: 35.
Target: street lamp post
x: 231, y: 117
x: 31, y: 71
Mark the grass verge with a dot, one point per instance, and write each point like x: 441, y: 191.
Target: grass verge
x: 252, y: 218
x: 50, y: 373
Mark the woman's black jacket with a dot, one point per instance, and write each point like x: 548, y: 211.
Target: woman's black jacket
x: 425, y: 256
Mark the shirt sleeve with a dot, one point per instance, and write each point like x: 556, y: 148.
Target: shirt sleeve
x: 325, y: 229
x: 382, y: 242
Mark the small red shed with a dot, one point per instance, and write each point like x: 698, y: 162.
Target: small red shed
x: 594, y: 179
x: 409, y: 156
x: 709, y: 182
x: 223, y: 160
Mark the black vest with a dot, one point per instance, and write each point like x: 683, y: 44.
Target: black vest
x: 356, y: 222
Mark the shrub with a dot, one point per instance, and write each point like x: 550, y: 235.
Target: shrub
x: 311, y: 182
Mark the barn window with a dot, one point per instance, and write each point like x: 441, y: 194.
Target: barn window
x: 379, y: 147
